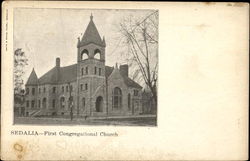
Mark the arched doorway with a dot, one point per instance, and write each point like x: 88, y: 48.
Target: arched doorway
x: 99, y: 104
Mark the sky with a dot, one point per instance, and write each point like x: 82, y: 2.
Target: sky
x: 45, y: 34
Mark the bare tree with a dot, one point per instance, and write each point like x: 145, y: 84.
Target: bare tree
x: 20, y: 61
x: 141, y: 39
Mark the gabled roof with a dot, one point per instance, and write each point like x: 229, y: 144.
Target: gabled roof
x: 108, y: 70
x: 32, y: 80
x: 49, y: 77
x: 91, y: 35
x: 128, y: 81
x: 69, y: 73
x: 65, y: 74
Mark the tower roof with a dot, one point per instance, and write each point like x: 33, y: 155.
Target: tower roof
x: 91, y: 35
x: 33, y: 80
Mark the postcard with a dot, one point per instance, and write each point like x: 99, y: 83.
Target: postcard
x: 124, y: 81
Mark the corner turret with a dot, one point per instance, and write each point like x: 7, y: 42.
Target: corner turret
x: 32, y: 80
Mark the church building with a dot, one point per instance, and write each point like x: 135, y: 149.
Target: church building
x: 87, y: 88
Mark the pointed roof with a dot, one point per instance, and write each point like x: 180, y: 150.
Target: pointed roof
x: 91, y: 35
x: 32, y: 80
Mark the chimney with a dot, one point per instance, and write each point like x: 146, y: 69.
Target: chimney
x: 57, y: 69
x: 124, y: 69
x: 57, y: 62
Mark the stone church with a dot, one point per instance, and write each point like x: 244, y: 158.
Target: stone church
x: 87, y: 88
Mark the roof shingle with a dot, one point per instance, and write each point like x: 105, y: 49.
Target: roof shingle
x: 65, y: 74
x: 91, y: 35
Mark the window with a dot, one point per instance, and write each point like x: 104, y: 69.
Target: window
x: 33, y: 91
x: 71, y: 102
x: 39, y: 90
x: 135, y: 92
x: 39, y: 103
x: 32, y: 104
x: 27, y: 90
x: 54, y: 90
x: 81, y: 87
x: 71, y: 88
x: 83, y: 103
x: 27, y: 103
x: 62, y: 102
x: 82, y: 71
x: 67, y: 88
x: 62, y: 88
x: 86, y: 70
x: 53, y: 103
x: 95, y: 70
x: 97, y: 54
x: 84, y: 54
x: 44, y: 89
x: 117, y: 98
x: 100, y: 71
x: 44, y: 102
x: 129, y: 102
x: 86, y: 86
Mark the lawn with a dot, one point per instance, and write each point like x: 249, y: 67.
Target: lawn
x: 140, y: 121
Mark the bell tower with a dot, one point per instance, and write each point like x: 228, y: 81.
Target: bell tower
x: 91, y: 72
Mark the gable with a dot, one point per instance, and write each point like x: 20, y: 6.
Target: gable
x: 117, y: 74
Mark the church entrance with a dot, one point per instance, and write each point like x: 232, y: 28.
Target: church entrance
x: 99, y: 104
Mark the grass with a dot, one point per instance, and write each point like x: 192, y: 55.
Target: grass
x: 142, y: 121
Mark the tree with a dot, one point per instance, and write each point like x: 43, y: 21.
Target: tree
x: 20, y: 61
x: 141, y: 39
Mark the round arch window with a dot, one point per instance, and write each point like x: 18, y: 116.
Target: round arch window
x: 97, y: 54
x: 117, y: 98
x: 84, y: 54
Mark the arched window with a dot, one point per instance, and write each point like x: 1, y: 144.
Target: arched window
x: 97, y: 54
x: 62, y: 102
x: 44, y: 103
x: 117, y: 98
x: 84, y: 54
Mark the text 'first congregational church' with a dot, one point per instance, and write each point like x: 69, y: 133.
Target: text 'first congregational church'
x: 88, y: 88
